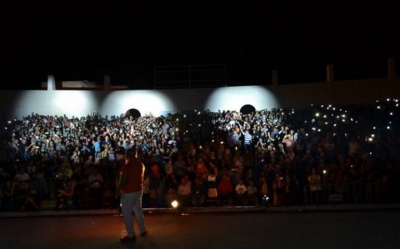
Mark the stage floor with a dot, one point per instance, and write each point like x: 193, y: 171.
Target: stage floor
x: 345, y: 229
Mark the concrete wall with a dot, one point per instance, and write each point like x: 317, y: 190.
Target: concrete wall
x: 82, y: 102
x: 338, y: 92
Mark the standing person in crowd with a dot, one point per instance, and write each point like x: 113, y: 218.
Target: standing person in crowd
x: 116, y: 169
x: 252, y: 194
x: 79, y: 186
x: 146, y: 191
x: 264, y: 190
x: 240, y: 193
x: 225, y: 190
x: 247, y: 137
x: 315, y: 186
x: 179, y: 167
x: 131, y: 188
x: 184, y: 194
x: 278, y: 186
x: 95, y: 182
x: 198, y: 193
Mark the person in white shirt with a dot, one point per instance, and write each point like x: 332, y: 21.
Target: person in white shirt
x: 240, y: 192
x: 184, y: 193
x: 353, y: 146
x: 22, y: 179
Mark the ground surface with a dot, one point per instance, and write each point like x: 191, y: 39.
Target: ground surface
x: 344, y: 229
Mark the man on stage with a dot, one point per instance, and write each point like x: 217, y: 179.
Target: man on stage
x: 130, y: 187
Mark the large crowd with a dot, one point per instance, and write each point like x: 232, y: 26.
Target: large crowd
x: 266, y: 157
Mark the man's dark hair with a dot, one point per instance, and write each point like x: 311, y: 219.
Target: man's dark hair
x: 131, y: 153
x: 120, y: 151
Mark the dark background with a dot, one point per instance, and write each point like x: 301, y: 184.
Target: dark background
x: 88, y: 42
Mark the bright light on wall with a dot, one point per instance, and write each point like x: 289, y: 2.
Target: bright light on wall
x: 71, y: 103
x: 145, y: 102
x: 77, y: 102
x: 233, y: 98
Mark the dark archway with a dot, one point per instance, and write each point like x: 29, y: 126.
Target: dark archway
x: 247, y: 109
x: 133, y: 112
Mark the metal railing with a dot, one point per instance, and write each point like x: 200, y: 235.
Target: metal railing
x: 319, y: 194
x: 47, y: 193
x: 190, y: 76
x: 43, y: 191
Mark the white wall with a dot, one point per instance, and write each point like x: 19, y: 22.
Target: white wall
x: 82, y: 102
x: 71, y: 103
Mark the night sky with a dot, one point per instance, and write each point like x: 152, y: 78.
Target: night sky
x: 74, y: 43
